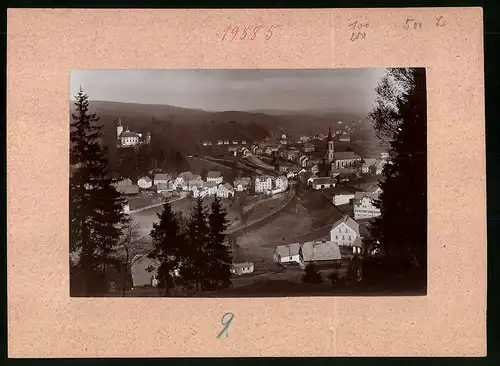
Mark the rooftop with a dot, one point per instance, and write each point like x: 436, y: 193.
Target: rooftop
x: 346, y: 155
x: 214, y: 174
x: 349, y: 222
x: 320, y: 250
x: 288, y: 250
x: 128, y: 134
x: 162, y: 176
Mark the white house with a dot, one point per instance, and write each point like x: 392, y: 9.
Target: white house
x: 183, y: 179
x: 289, y: 254
x: 196, y: 182
x: 220, y: 142
x: 263, y: 183
x: 322, y: 183
x: 364, y: 207
x: 342, y: 197
x: 243, y: 142
x: 241, y: 184
x: 162, y: 178
x: 226, y: 142
x: 128, y: 138
x: 242, y: 268
x: 199, y: 192
x: 225, y: 191
x: 373, y: 165
x: 345, y: 232
x: 211, y: 188
x: 214, y: 176
x: 145, y: 182
x: 281, y: 183
x: 303, y: 161
x: 320, y: 250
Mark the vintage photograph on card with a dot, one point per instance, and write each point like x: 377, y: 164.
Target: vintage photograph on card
x: 248, y: 183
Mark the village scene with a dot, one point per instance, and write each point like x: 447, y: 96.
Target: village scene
x: 298, y: 206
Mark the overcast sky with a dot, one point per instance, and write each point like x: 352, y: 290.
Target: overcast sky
x: 245, y: 90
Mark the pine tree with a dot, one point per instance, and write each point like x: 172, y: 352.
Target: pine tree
x: 219, y: 258
x: 400, y: 117
x: 168, y: 242
x: 195, y: 263
x: 96, y: 208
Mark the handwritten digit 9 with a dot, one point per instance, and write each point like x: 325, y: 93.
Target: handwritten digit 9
x: 226, y: 324
x: 234, y: 32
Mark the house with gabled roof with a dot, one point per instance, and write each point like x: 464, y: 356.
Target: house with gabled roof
x: 162, y: 178
x: 145, y: 182
x: 320, y: 251
x: 345, y: 233
x: 225, y: 190
x: 214, y: 176
x: 290, y: 254
x: 364, y: 205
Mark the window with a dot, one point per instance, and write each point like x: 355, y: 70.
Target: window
x: 349, y: 237
x: 336, y: 236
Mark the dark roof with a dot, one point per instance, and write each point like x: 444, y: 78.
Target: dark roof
x: 214, y: 174
x: 324, y: 180
x: 128, y: 134
x: 320, y: 250
x: 132, y: 189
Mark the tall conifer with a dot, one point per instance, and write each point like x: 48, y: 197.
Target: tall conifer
x: 168, y: 241
x: 96, y: 208
x: 401, y: 117
x: 219, y: 258
x: 194, y: 266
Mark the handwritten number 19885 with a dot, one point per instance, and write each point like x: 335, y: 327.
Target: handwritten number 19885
x: 248, y: 32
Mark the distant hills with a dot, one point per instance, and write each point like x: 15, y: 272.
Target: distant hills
x: 183, y: 128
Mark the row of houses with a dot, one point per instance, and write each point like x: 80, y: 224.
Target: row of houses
x: 344, y: 234
x: 224, y: 142
x: 213, y: 186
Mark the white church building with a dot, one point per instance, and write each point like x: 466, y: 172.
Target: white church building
x: 129, y: 138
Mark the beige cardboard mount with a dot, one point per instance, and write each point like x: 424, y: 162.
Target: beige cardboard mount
x: 44, y: 45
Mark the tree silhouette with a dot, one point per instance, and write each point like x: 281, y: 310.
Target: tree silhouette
x: 311, y: 274
x: 96, y: 208
x: 167, y: 246
x: 400, y: 232
x: 219, y: 258
x: 194, y: 266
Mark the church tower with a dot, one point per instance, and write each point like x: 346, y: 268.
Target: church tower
x: 119, y: 128
x: 330, y: 149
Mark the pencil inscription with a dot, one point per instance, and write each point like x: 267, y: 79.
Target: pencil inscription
x: 248, y: 32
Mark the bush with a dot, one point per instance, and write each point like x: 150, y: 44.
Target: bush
x: 311, y: 275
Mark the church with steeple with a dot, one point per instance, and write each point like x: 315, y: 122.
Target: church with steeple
x: 128, y: 138
x: 330, y: 151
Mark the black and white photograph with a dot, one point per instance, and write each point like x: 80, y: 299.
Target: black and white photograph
x: 248, y: 182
